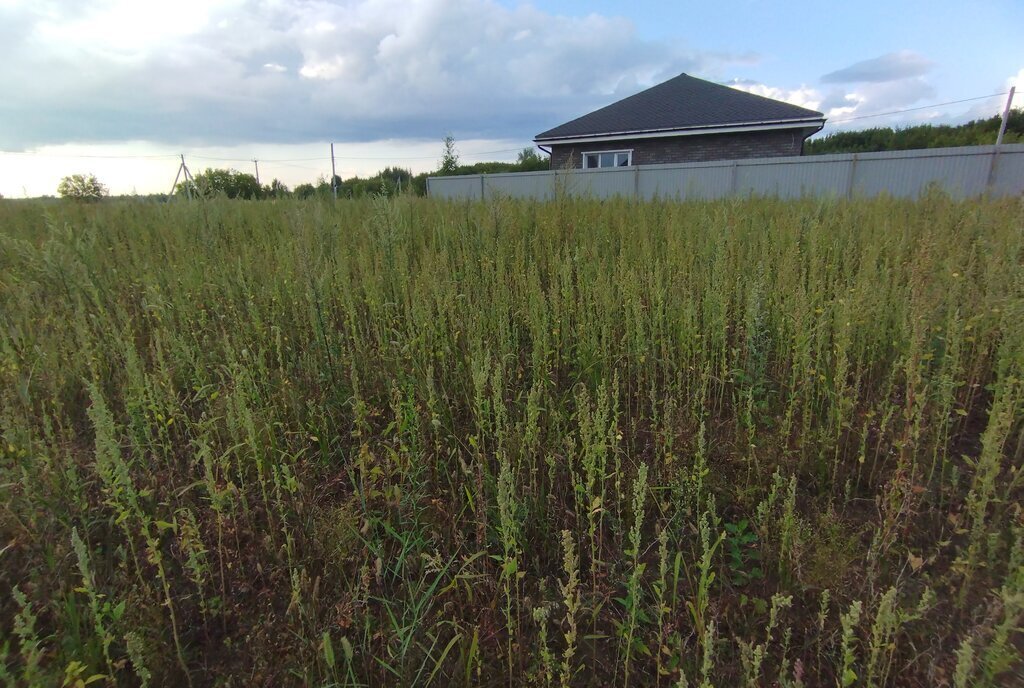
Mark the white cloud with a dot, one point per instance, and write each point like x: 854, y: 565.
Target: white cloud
x: 297, y: 70
x: 904, y: 64
x: 855, y: 107
x: 804, y: 95
x: 993, y: 106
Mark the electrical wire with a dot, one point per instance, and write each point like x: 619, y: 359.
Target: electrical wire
x: 922, y: 107
x: 192, y: 156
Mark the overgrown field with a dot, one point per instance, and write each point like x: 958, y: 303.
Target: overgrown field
x: 402, y: 442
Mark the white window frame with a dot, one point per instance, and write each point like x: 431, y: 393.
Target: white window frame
x: 627, y: 151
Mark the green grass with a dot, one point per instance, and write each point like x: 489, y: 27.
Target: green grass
x: 405, y: 442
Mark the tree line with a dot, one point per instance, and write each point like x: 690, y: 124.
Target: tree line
x: 977, y: 132
x: 387, y: 182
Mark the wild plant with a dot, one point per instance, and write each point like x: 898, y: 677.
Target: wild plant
x: 136, y: 650
x: 29, y: 644
x: 597, y: 437
x: 826, y: 596
x: 103, y: 613
x: 1000, y: 655
x: 788, y: 531
x: 742, y: 553
x: 689, y: 493
x: 632, y: 602
x: 571, y: 599
x: 962, y: 674
x: 753, y: 655
x: 708, y: 638
x: 703, y: 623
x: 887, y: 622
x: 546, y: 662
x: 664, y: 604
x: 114, y: 473
x: 509, y: 528
x: 6, y: 672
x: 849, y: 621
x: 191, y: 544
x: 987, y: 470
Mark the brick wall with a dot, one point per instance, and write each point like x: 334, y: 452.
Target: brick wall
x: 700, y: 148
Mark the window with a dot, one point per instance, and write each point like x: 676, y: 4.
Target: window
x: 607, y: 159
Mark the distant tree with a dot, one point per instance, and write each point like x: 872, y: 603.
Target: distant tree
x: 974, y: 133
x: 305, y: 191
x: 276, y: 190
x: 450, y: 158
x: 393, y: 180
x: 81, y: 187
x: 323, y: 186
x: 230, y: 183
x: 529, y: 160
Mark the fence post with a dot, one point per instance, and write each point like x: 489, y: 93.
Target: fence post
x: 853, y: 173
x: 993, y: 160
x: 734, y: 181
x: 636, y: 182
x: 481, y: 187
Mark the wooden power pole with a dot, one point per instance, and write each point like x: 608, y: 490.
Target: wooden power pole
x: 1006, y: 116
x: 182, y: 169
x: 334, y: 175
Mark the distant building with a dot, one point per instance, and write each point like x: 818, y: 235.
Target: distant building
x: 684, y: 119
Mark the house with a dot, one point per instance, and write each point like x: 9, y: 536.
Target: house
x: 684, y: 119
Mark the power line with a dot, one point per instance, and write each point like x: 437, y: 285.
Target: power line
x: 351, y: 157
x: 922, y: 107
x: 208, y: 158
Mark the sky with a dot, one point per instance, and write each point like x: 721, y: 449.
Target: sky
x: 122, y: 88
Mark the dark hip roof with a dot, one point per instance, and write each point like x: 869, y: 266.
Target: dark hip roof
x: 683, y: 102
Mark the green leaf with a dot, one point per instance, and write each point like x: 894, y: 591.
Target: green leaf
x: 164, y: 526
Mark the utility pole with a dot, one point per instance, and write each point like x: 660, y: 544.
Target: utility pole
x: 1006, y: 116
x: 334, y: 175
x: 182, y: 168
x: 257, y: 164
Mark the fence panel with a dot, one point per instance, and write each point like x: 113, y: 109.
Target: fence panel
x: 1008, y: 174
x: 704, y: 181
x: 898, y: 174
x: 520, y: 185
x: 966, y: 171
x: 796, y: 177
x: 456, y: 188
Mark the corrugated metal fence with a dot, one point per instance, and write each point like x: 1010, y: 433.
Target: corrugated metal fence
x: 966, y: 171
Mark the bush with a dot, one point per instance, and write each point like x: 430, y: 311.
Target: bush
x: 82, y: 187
